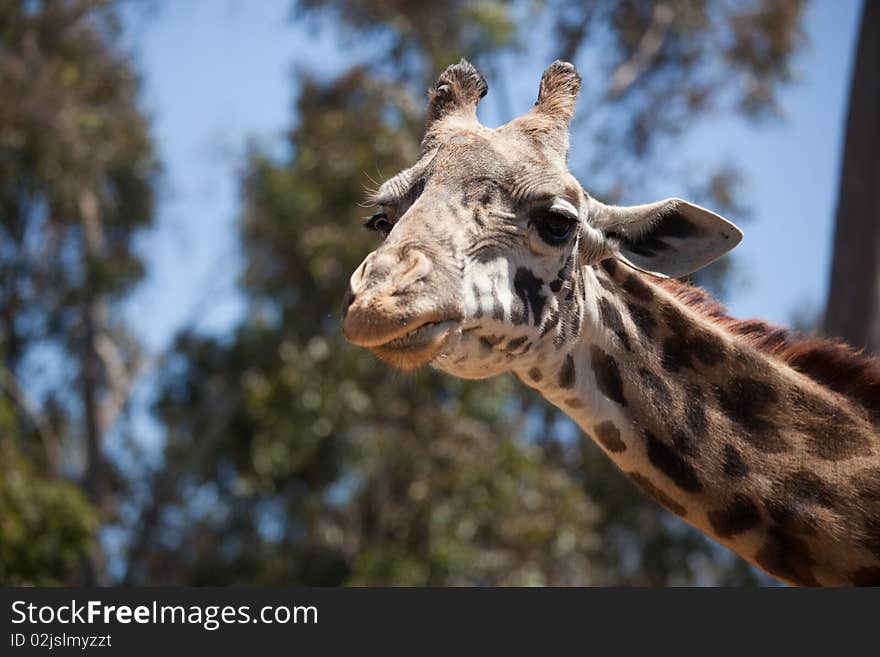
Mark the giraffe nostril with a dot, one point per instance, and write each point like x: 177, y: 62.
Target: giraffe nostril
x: 417, y: 267
x: 357, y: 278
x: 347, y: 301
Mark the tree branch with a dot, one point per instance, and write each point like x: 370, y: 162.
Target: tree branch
x: 573, y: 36
x: 119, y: 381
x: 649, y: 45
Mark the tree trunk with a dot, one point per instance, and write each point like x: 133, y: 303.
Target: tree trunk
x: 853, y: 308
x: 96, y: 483
x: 96, y: 479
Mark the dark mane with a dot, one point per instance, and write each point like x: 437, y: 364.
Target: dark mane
x: 829, y: 362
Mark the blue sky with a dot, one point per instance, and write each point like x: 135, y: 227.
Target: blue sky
x: 218, y: 73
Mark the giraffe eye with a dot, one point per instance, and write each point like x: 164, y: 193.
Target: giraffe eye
x: 379, y: 223
x: 554, y: 227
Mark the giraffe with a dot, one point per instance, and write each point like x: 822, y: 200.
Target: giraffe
x: 495, y: 259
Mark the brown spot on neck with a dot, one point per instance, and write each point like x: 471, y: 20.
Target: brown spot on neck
x: 611, y: 318
x: 866, y: 577
x: 607, y: 375
x: 635, y: 287
x: 734, y: 465
x: 668, y: 461
x: 642, y: 318
x: 609, y: 436
x: 787, y: 558
x: 655, y: 493
x: 749, y: 403
x: 567, y: 373
x: 740, y: 515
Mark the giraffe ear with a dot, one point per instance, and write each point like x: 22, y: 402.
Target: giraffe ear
x: 669, y: 238
x: 558, y: 92
x: 457, y: 92
x: 550, y: 117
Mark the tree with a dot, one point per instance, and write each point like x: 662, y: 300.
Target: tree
x: 46, y: 525
x: 853, y: 308
x: 76, y: 176
x: 294, y: 458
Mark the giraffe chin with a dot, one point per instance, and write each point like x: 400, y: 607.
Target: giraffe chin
x: 417, y: 348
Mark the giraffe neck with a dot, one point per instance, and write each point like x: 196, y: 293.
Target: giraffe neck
x: 749, y: 451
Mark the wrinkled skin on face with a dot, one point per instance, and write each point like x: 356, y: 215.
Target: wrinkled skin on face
x: 487, y: 233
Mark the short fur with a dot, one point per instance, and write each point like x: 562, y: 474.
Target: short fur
x: 831, y: 363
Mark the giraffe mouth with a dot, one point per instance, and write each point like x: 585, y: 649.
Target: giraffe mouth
x: 417, y: 347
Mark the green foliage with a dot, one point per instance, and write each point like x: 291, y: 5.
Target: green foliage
x: 424, y: 37
x: 46, y: 526
x: 494, y: 512
x: 73, y: 128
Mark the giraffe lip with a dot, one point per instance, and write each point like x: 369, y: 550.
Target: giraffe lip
x: 418, y: 347
x: 424, y: 336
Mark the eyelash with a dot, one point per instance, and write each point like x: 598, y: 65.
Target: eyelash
x: 553, y: 226
x: 379, y: 223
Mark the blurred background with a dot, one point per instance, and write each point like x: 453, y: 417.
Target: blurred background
x: 179, y: 214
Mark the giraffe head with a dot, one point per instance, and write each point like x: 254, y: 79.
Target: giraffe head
x: 484, y: 235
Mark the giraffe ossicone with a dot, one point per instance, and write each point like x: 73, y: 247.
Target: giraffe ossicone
x: 495, y: 259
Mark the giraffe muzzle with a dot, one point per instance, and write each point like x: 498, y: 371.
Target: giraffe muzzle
x: 395, y: 307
